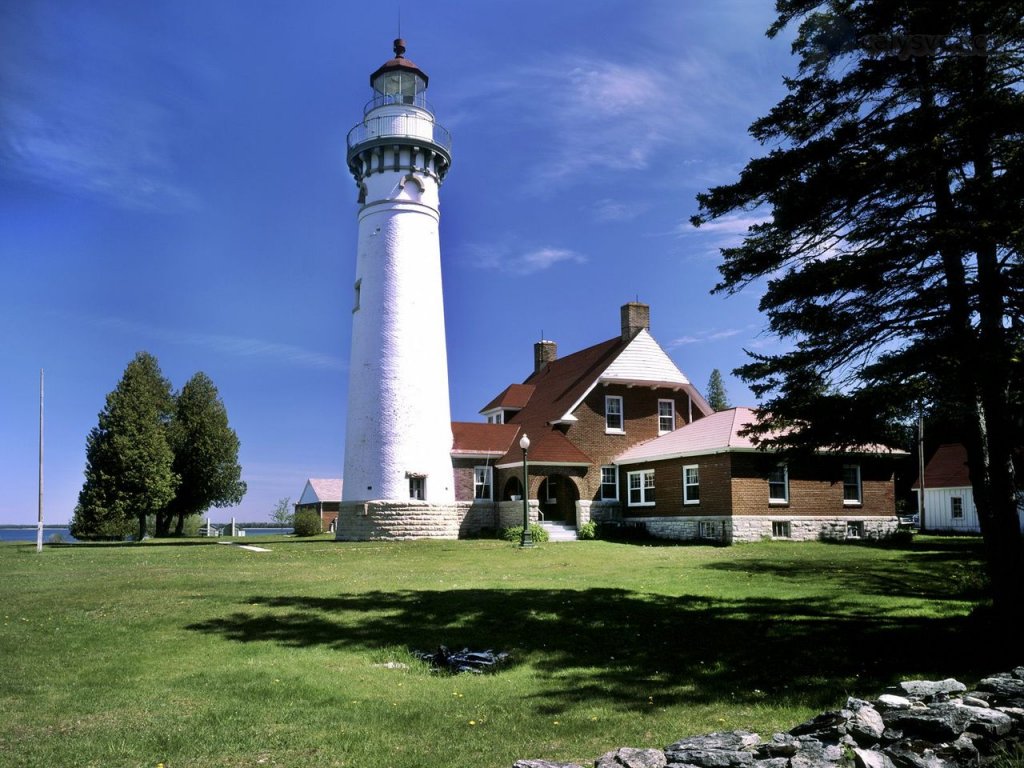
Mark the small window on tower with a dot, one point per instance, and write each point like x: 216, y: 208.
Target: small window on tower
x: 358, y: 287
x: 417, y: 487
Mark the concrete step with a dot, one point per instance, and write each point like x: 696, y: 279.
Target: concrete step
x: 559, y: 531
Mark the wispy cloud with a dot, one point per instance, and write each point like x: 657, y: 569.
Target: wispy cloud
x: 505, y: 258
x: 703, y: 337
x: 85, y: 126
x: 616, y: 210
x: 235, y: 346
x: 725, y: 232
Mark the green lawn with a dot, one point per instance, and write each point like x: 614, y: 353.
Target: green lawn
x: 191, y: 653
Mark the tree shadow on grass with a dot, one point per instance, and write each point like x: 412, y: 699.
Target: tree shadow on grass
x: 622, y: 647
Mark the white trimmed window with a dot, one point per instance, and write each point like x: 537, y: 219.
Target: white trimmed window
x: 855, y: 529
x: 613, y: 414
x: 666, y: 416
x: 691, y: 484
x: 851, y: 484
x: 778, y: 485
x: 417, y: 487
x: 781, y: 529
x: 483, y: 482
x: 956, y: 507
x: 641, y: 488
x: 609, y: 484
x: 496, y: 418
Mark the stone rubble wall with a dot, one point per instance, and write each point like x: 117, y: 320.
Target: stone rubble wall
x: 916, y: 724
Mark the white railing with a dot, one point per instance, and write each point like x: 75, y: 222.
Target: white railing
x: 400, y: 126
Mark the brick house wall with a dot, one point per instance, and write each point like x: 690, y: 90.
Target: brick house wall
x: 640, y: 422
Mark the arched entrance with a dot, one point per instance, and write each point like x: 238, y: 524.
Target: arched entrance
x: 513, y: 490
x: 558, y: 495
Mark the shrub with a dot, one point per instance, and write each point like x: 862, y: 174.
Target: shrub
x: 515, y: 534
x: 587, y: 531
x: 307, y: 523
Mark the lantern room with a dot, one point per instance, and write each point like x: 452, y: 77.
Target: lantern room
x: 398, y: 81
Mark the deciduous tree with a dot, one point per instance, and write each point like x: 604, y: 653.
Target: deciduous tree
x: 891, y: 242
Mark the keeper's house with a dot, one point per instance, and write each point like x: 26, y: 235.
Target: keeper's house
x: 706, y: 480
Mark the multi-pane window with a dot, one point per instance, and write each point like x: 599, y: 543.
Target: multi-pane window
x: 613, y: 413
x: 483, y: 482
x: 496, y: 418
x: 781, y: 529
x: 641, y: 488
x: 707, y: 529
x: 851, y: 484
x: 417, y: 487
x: 666, y: 416
x: 609, y: 484
x: 956, y: 507
x: 691, y: 484
x: 778, y: 485
x: 855, y: 529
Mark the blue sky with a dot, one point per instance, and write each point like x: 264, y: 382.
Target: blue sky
x: 173, y: 179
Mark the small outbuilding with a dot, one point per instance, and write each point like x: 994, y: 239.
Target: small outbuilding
x: 323, y: 496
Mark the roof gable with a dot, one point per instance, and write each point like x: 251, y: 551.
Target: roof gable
x: 947, y: 468
x: 319, y: 489
x: 483, y: 440
x: 644, y: 360
x: 513, y: 396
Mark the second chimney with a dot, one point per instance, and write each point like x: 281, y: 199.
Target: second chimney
x: 544, y: 352
x: 636, y: 317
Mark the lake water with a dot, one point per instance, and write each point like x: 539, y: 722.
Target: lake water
x: 29, y: 534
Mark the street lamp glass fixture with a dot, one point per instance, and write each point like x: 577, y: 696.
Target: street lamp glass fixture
x: 525, y: 442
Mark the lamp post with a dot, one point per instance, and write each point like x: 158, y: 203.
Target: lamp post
x: 527, y: 539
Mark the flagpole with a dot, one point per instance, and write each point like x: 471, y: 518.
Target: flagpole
x: 39, y: 527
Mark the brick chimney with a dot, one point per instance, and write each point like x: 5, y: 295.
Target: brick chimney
x: 544, y: 352
x: 636, y: 317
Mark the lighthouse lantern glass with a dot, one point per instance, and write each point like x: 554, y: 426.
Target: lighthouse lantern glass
x: 399, y: 87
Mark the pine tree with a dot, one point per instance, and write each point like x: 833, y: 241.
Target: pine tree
x: 128, y: 473
x: 891, y: 241
x: 205, y: 455
x: 717, y: 397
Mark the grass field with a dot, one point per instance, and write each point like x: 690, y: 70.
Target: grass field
x: 191, y: 653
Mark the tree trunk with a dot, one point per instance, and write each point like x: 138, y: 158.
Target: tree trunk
x: 179, y: 529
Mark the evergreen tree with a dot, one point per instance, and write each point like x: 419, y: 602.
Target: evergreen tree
x: 717, y: 397
x: 128, y: 472
x: 205, y: 455
x: 891, y: 242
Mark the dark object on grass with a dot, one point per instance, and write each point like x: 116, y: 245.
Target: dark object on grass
x: 462, y: 661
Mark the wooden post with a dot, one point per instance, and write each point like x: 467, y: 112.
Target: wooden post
x: 39, y: 525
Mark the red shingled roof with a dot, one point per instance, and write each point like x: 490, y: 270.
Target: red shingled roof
x: 556, y: 388
x: 476, y: 439
x: 947, y: 468
x: 514, y: 396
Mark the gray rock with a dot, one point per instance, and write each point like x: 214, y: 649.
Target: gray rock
x: 1003, y: 687
x: 627, y: 757
x: 892, y: 701
x: 1016, y: 713
x: 927, y: 689
x: 781, y: 745
x: 543, y: 764
x: 814, y: 754
x: 889, y: 735
x: 907, y: 754
x: 961, y: 752
x: 1018, y: 673
x: 974, y: 701
x: 869, y: 758
x: 826, y: 723
x: 772, y: 762
x: 733, y: 749
x: 866, y: 726
x: 989, y: 722
x: 943, y: 722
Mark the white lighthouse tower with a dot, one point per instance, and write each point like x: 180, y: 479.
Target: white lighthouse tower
x: 398, y: 438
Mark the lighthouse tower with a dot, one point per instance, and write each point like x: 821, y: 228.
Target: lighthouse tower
x: 398, y: 438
